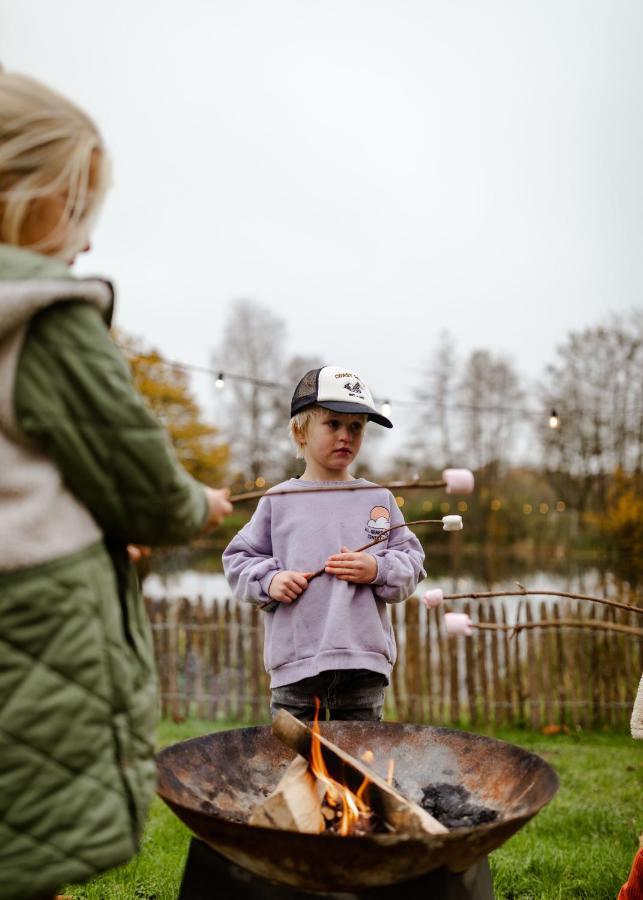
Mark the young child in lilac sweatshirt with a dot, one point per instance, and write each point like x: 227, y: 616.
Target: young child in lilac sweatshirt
x: 331, y: 637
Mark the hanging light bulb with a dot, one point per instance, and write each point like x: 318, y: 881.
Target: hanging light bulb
x: 220, y: 381
x: 386, y: 408
x: 553, y: 419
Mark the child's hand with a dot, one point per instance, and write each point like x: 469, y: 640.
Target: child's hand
x: 360, y: 568
x: 219, y: 506
x: 287, y: 586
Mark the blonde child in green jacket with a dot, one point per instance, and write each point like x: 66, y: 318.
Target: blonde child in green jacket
x: 85, y: 469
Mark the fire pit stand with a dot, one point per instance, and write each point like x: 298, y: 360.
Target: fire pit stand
x: 210, y: 876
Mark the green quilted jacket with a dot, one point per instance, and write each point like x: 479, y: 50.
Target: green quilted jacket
x: 84, y: 469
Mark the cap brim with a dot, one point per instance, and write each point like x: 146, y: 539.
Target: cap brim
x: 343, y: 407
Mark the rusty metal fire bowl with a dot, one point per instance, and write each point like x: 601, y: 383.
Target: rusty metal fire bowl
x: 213, y: 783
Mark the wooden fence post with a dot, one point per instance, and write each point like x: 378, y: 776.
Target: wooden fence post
x: 400, y: 710
x: 441, y: 646
x: 411, y: 660
x: 199, y: 644
x: 497, y: 699
x: 512, y: 673
x: 227, y: 660
x: 470, y: 677
x: 454, y: 681
x: 562, y: 674
x: 481, y: 656
x: 238, y: 631
x: 215, y: 659
x: 429, y: 664
x: 546, y: 682
x: 533, y: 691
x: 255, y: 679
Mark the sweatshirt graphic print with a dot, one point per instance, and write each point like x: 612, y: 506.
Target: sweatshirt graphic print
x: 333, y: 624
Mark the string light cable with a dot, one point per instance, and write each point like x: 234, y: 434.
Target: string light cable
x: 386, y: 406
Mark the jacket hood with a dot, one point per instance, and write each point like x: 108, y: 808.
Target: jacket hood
x: 30, y: 282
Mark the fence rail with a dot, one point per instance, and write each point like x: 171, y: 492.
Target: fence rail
x: 210, y: 663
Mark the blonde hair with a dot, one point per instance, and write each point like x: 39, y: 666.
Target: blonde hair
x: 298, y: 426
x: 46, y: 146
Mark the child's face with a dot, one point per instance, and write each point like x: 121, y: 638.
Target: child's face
x: 333, y: 441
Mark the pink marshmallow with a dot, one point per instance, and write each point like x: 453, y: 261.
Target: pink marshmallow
x: 459, y: 481
x: 433, y: 599
x: 458, y: 623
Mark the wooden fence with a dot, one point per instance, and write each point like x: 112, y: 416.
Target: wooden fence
x: 210, y: 662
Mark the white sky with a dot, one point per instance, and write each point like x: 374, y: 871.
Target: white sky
x: 373, y: 171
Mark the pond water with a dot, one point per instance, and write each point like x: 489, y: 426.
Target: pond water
x: 574, y: 578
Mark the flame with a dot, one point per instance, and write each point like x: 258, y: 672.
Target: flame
x: 353, y: 806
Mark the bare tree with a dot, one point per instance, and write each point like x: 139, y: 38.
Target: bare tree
x: 253, y: 347
x: 596, y: 388
x: 489, y: 397
x: 436, y: 416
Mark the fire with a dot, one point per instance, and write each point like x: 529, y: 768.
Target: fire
x: 353, y: 807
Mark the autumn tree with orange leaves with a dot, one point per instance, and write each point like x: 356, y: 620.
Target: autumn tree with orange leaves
x: 167, y: 392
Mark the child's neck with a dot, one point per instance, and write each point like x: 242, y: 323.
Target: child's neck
x: 315, y: 472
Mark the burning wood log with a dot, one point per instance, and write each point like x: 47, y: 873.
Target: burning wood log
x: 401, y: 814
x: 295, y: 804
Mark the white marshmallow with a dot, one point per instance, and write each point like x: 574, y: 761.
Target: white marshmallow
x: 451, y: 523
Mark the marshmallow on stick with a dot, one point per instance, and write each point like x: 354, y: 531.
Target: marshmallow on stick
x: 434, y: 598
x: 458, y: 481
x: 458, y: 624
x: 451, y: 523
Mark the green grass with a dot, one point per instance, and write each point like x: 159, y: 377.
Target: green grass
x: 581, y: 845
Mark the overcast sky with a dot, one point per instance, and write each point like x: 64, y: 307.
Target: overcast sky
x: 373, y: 171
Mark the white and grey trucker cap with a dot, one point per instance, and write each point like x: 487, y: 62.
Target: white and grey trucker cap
x: 337, y: 389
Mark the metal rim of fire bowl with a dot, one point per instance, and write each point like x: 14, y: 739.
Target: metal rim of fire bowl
x: 212, y: 783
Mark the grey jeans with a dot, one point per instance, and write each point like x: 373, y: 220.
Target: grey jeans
x: 343, y: 693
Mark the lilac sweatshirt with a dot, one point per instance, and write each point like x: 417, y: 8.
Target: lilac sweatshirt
x: 333, y: 624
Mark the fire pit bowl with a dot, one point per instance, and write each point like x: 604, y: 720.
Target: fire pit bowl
x: 213, y: 783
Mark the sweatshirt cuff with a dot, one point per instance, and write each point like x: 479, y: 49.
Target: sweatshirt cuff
x: 382, y: 570
x: 264, y: 583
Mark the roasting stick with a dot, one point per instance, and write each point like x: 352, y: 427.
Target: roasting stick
x: 462, y: 625
x: 382, y: 537
x: 484, y: 595
x: 402, y: 814
x: 449, y: 523
x: 436, y: 597
x: 395, y: 485
x: 570, y: 623
x: 456, y: 481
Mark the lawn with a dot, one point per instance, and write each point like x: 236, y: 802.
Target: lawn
x: 580, y: 846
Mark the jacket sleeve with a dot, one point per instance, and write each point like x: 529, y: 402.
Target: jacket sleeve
x: 400, y: 564
x: 248, y: 562
x: 74, y: 397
